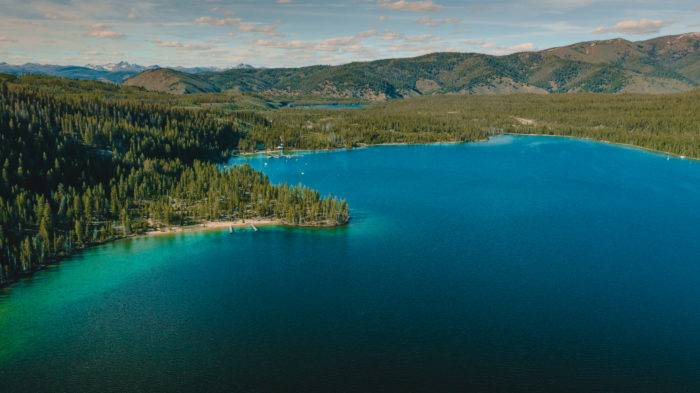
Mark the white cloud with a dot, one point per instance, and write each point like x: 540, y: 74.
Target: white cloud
x: 208, y: 20
x: 367, y: 34
x: 498, y: 50
x: 270, y: 30
x: 74, y: 10
x: 437, y: 22
x: 337, y: 44
x: 54, y: 11
x: 181, y: 45
x: 246, y: 27
x: 528, y: 46
x: 103, y: 31
x: 221, y: 10
x: 561, y: 5
x: 422, y: 38
x: 642, y: 26
x: 389, y: 35
x: 405, y: 5
x: 105, y: 34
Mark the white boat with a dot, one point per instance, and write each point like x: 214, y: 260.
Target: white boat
x: 230, y: 229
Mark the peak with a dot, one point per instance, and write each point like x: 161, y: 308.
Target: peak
x: 678, y: 37
x: 122, y: 66
x: 694, y: 36
x: 161, y: 70
x: 611, y: 41
x: 168, y: 80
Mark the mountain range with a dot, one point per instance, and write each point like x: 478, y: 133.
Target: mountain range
x: 113, y: 72
x: 660, y: 65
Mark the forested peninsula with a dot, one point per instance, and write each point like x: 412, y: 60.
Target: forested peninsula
x: 81, y: 165
x: 85, y: 162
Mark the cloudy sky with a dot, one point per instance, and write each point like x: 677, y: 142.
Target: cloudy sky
x: 276, y: 33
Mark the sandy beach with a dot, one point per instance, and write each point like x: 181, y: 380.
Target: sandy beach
x: 213, y: 225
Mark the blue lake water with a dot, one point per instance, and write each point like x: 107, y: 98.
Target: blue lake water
x: 333, y: 105
x: 522, y: 264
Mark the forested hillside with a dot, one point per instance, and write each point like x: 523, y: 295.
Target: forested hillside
x: 171, y: 81
x: 80, y: 164
x: 667, y: 122
x: 661, y: 65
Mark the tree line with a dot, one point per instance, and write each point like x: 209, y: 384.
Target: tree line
x: 667, y: 122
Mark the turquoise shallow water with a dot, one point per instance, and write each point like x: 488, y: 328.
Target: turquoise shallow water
x: 520, y: 264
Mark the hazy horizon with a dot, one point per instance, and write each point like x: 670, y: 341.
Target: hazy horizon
x: 293, y: 33
x: 155, y: 66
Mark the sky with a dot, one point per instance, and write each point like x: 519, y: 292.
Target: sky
x: 291, y: 33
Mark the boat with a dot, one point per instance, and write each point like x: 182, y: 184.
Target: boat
x: 230, y: 229
x: 254, y: 228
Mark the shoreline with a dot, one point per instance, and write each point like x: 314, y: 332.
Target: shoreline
x: 361, y: 146
x: 454, y: 142
x: 172, y: 230
x: 607, y: 142
x: 234, y: 224
x: 212, y: 226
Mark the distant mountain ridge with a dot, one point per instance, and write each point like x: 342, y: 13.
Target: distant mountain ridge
x: 72, y: 72
x: 112, y: 72
x: 659, y: 65
x: 122, y: 66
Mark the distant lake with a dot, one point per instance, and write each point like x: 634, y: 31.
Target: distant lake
x: 334, y: 105
x: 521, y: 264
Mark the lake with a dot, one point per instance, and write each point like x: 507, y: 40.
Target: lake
x: 521, y: 264
x: 332, y: 105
